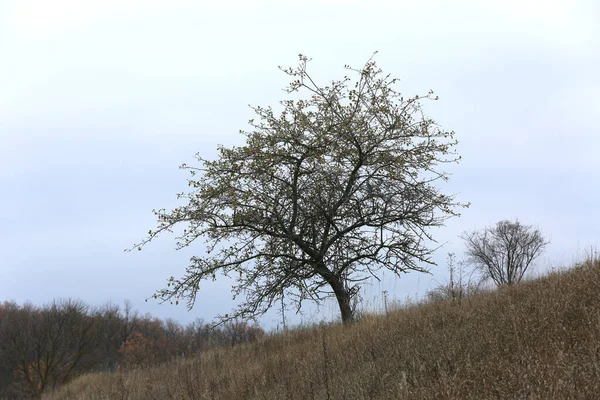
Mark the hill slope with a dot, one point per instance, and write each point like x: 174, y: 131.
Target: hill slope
x: 538, y: 340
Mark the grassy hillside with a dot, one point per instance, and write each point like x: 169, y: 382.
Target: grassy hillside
x: 539, y: 340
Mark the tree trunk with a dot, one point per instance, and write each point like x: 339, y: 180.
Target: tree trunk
x: 343, y: 298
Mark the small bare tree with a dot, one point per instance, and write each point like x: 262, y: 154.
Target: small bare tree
x: 505, y: 251
x: 460, y: 285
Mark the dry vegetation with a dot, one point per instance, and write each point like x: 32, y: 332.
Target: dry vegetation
x: 537, y: 340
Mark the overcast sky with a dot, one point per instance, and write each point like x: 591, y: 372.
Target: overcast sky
x: 101, y: 101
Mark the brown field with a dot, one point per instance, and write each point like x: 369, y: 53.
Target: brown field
x: 537, y: 340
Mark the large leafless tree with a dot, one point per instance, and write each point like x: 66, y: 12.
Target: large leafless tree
x: 505, y: 251
x: 323, y: 195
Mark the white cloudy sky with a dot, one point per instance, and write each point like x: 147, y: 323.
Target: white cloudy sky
x: 102, y: 100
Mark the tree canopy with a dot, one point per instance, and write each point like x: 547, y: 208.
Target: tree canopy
x: 330, y: 191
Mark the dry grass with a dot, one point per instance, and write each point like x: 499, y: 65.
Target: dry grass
x: 539, y: 340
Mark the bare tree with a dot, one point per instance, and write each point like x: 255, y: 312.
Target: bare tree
x: 505, y: 251
x: 336, y: 187
x: 49, y: 345
x: 460, y: 284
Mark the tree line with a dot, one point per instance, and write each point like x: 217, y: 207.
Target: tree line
x: 43, y: 347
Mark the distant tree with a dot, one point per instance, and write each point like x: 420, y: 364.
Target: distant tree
x: 238, y: 331
x: 109, y: 337
x: 459, y: 285
x: 322, y: 196
x: 8, y: 359
x: 505, y: 251
x: 137, y: 350
x: 49, y: 346
x: 130, y: 320
x: 199, y: 336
